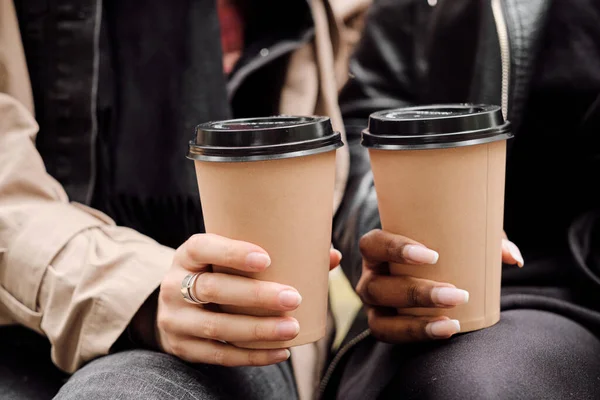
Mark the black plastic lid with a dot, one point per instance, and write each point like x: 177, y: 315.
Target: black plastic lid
x: 435, y: 127
x: 265, y: 138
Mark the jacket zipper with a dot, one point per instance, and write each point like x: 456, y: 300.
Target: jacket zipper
x: 502, y: 30
x: 336, y: 360
x: 94, y: 101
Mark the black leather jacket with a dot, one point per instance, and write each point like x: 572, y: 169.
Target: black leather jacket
x: 524, y: 55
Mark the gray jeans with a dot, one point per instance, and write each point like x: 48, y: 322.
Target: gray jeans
x: 147, y: 375
x: 26, y: 373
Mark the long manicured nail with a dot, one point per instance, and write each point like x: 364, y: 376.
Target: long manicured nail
x: 290, y: 298
x: 442, y: 329
x: 448, y: 296
x: 514, y: 252
x: 281, y: 355
x: 420, y: 254
x: 258, y: 261
x: 288, y: 329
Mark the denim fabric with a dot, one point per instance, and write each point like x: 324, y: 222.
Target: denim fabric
x: 147, y: 375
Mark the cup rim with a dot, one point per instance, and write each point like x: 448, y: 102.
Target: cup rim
x: 436, y: 126
x: 263, y: 138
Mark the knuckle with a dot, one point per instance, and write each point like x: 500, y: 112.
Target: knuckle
x: 413, y: 295
x: 207, y: 287
x: 190, y: 249
x: 219, y: 357
x: 166, y: 292
x: 254, y: 358
x: 258, y: 290
x: 196, y: 240
x: 168, y: 286
x: 365, y: 241
x: 260, y: 332
x: 371, y: 291
x: 365, y: 295
x: 411, y: 332
x: 229, y: 255
x: 176, y: 348
x: 373, y: 320
x: 164, y: 322
x: 393, y: 247
x: 209, y: 327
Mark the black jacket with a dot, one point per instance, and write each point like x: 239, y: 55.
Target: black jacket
x: 540, y: 60
x: 120, y: 84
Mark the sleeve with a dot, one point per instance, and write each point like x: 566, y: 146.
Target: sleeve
x: 382, y: 76
x: 66, y: 271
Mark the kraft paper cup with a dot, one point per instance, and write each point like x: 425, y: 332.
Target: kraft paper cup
x: 270, y: 181
x: 439, y: 175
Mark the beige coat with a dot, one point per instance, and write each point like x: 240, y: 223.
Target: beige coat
x: 67, y: 271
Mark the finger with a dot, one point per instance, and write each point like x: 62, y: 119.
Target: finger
x: 511, y: 254
x: 335, y: 257
x: 409, y: 292
x: 217, y: 353
x: 404, y: 329
x: 365, y: 277
x: 203, y: 249
x: 241, y: 291
x: 204, y: 324
x: 380, y: 246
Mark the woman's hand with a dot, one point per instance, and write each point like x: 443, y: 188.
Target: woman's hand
x: 199, y: 334
x: 384, y: 294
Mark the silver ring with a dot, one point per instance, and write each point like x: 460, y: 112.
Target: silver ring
x: 187, y: 286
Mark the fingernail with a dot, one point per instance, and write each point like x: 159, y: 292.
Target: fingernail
x: 448, y: 296
x: 288, y: 329
x: 514, y: 252
x: 258, y: 261
x: 282, y: 354
x: 420, y: 254
x: 290, y: 298
x: 442, y: 329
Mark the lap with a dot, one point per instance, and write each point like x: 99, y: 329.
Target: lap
x: 27, y: 373
x: 149, y: 375
x: 528, y: 354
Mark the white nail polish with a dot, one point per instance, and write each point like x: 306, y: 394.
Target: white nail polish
x: 448, y: 296
x: 258, y: 261
x: 282, y: 355
x: 442, y: 329
x: 515, y: 253
x: 420, y: 254
x: 290, y: 298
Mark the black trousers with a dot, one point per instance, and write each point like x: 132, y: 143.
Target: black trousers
x: 546, y: 346
x: 529, y: 354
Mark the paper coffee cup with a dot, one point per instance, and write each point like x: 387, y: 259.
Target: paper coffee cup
x: 439, y: 176
x: 270, y: 181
